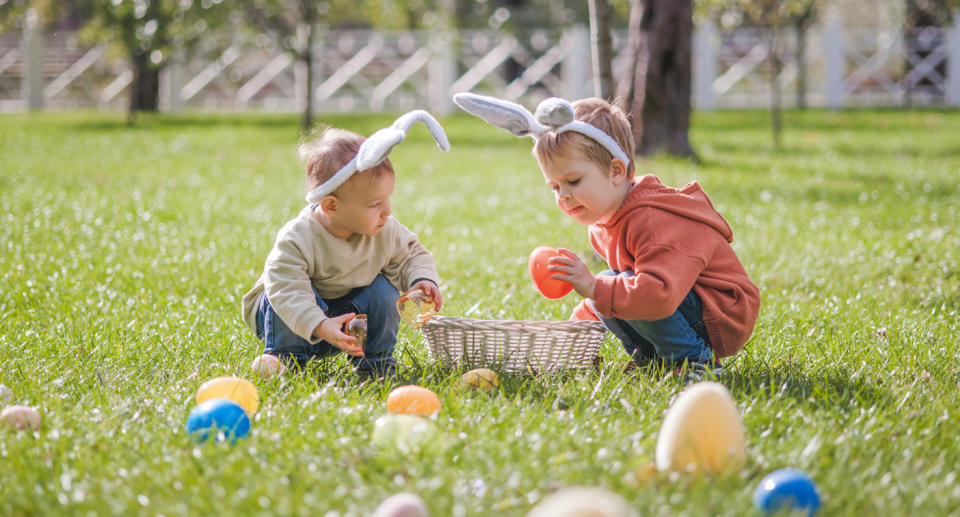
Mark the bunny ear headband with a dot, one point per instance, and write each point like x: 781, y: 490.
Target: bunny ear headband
x: 552, y: 114
x: 375, y: 149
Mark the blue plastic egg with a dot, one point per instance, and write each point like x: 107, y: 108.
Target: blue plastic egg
x: 787, y: 489
x: 220, y: 418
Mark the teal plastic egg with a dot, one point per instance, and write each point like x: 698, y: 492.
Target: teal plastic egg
x: 787, y: 489
x: 220, y: 419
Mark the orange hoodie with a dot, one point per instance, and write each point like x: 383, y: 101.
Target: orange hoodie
x: 673, y: 240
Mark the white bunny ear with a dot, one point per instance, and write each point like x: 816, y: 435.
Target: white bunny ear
x: 503, y: 114
x: 554, y: 112
x: 377, y: 147
x: 558, y: 114
x: 409, y: 119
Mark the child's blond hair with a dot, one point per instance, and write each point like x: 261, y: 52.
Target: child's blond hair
x: 327, y: 149
x: 598, y: 113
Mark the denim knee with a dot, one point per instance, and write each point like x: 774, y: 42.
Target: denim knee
x: 677, y: 337
x: 278, y: 339
x: 379, y: 302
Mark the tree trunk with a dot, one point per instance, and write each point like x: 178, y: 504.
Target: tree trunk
x: 602, y: 49
x: 306, y: 120
x: 145, y: 89
x: 801, y: 56
x: 628, y: 94
x: 461, y: 13
x: 658, y: 93
x: 776, y: 66
x: 309, y: 16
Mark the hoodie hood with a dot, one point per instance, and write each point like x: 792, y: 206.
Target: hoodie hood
x: 690, y: 202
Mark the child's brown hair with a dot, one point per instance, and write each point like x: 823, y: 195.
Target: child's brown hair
x: 327, y: 149
x: 598, y: 113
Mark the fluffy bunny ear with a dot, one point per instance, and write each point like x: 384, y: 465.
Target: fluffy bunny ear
x: 503, y: 114
x: 377, y: 147
x: 559, y: 116
x: 554, y: 112
x: 409, y: 119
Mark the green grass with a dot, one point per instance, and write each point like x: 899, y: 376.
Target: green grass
x: 125, y: 252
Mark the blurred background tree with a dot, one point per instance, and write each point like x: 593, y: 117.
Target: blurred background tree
x: 656, y: 90
x: 774, y: 16
x: 654, y: 85
x: 147, y: 33
x: 291, y: 25
x: 25, y: 14
x: 601, y: 45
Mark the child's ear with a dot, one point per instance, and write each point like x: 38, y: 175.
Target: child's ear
x: 328, y: 204
x: 619, y: 171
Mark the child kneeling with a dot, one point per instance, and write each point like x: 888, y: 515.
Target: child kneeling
x: 344, y: 254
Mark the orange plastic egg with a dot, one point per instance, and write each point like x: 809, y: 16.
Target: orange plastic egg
x: 239, y: 390
x: 413, y: 400
x: 548, y: 286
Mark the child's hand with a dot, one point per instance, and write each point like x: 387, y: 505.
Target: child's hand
x: 431, y: 290
x: 572, y: 270
x: 331, y: 331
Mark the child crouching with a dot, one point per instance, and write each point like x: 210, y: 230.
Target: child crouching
x: 344, y: 254
x: 675, y: 289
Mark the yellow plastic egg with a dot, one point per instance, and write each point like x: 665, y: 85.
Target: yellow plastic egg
x: 702, y: 431
x: 481, y: 379
x: 236, y: 389
x: 21, y: 418
x: 413, y: 400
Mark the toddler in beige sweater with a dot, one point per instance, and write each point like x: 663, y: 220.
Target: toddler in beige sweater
x: 344, y: 254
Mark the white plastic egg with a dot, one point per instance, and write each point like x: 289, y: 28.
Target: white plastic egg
x: 702, y: 431
x: 582, y: 501
x: 402, y: 505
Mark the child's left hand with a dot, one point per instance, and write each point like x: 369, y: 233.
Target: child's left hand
x: 431, y: 290
x: 573, y: 271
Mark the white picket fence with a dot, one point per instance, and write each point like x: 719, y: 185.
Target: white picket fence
x: 372, y: 71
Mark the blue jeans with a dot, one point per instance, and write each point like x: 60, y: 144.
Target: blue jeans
x: 377, y: 300
x: 680, y: 336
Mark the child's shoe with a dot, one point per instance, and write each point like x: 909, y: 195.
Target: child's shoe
x: 378, y: 371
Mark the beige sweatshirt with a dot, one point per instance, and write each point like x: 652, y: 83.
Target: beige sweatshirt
x: 306, y: 254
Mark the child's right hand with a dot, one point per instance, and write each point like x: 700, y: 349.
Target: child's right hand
x: 331, y: 331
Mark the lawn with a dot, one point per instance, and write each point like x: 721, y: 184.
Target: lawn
x: 126, y: 251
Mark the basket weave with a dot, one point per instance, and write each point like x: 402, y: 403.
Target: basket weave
x: 513, y: 346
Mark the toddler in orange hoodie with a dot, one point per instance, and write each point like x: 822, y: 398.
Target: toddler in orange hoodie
x: 675, y: 290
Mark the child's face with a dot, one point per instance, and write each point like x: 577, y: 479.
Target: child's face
x: 364, y: 204
x: 585, y: 191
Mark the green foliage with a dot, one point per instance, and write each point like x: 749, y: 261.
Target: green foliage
x: 155, y: 28
x: 25, y: 14
x: 766, y: 13
x: 125, y: 251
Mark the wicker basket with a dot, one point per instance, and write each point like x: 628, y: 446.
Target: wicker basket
x: 513, y: 346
